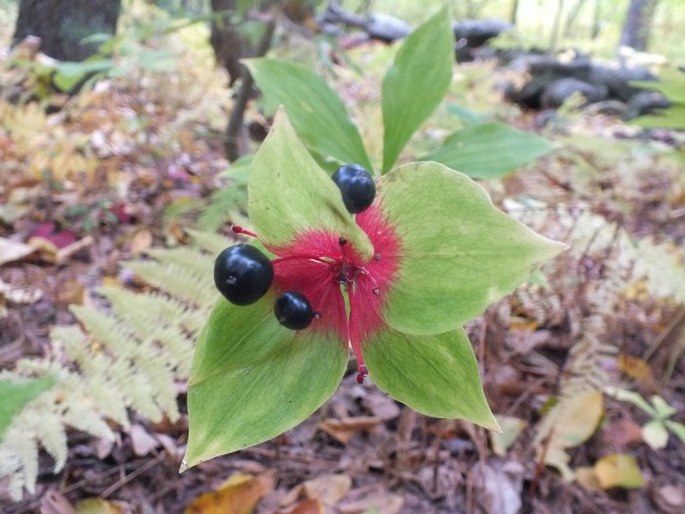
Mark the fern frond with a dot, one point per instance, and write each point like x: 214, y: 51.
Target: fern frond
x: 604, y: 261
x: 186, y: 258
x: 209, y: 242
x: 175, y: 280
x: 129, y: 358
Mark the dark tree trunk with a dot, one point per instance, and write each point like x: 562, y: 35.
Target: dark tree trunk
x: 225, y: 39
x: 63, y: 24
x: 637, y: 26
x: 514, y: 11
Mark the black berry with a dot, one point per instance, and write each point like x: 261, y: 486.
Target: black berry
x: 356, y: 185
x: 294, y: 311
x: 243, y: 274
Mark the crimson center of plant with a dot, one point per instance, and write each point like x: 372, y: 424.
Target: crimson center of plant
x: 346, y: 291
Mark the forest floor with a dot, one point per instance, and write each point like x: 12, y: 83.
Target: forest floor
x: 152, y: 145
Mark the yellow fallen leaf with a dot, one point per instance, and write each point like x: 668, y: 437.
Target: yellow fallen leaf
x: 569, y: 423
x: 618, y: 470
x: 237, y: 495
x: 511, y: 429
x: 634, y: 367
x: 585, y: 476
x: 578, y: 419
x: 98, y: 506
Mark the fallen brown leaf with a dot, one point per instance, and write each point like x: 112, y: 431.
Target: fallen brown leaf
x: 54, y: 502
x: 622, y: 433
x: 330, y: 489
x: 141, y: 241
x: 378, y: 502
x: 305, y: 507
x: 344, y: 428
x: 143, y: 442
x: 237, y: 495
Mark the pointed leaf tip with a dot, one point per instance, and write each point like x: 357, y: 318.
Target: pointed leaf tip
x: 252, y: 379
x: 289, y: 194
x: 459, y: 252
x: 415, y: 85
x: 314, y: 108
x: 436, y: 375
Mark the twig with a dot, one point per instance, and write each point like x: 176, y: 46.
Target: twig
x: 235, y: 122
x: 127, y: 478
x: 672, y: 326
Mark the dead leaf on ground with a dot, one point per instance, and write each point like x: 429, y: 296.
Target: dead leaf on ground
x: 344, y: 428
x: 500, y: 486
x: 634, y: 367
x: 142, y: 441
x: 585, y: 476
x: 379, y: 502
x: 670, y: 499
x: 622, y: 433
x: 142, y: 240
x: 618, y: 470
x: 54, y: 502
x: 99, y: 506
x: 237, y: 495
x: 570, y: 423
x: 381, y: 405
x: 13, y: 250
x: 511, y: 429
x: 330, y: 489
x: 305, y: 507
x: 19, y: 295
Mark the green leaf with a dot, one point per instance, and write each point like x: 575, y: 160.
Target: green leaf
x: 252, y: 379
x: 15, y: 395
x: 655, y: 434
x: 673, y: 117
x: 459, y: 253
x: 416, y: 83
x: 677, y: 428
x: 436, y: 375
x: 489, y: 150
x: 663, y: 409
x: 671, y: 84
x: 315, y: 110
x: 69, y: 73
x: 635, y: 398
x: 289, y: 194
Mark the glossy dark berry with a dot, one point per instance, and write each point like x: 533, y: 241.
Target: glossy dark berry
x: 294, y: 311
x: 243, y: 274
x: 356, y: 185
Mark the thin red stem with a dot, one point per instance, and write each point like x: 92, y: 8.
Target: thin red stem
x: 241, y: 230
x: 365, y: 273
x: 313, y: 258
x: 354, y: 342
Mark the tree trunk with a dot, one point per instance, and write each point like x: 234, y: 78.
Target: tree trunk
x: 637, y: 26
x: 514, y: 12
x: 63, y: 24
x: 225, y: 39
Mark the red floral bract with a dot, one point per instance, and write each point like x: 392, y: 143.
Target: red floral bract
x: 322, y: 266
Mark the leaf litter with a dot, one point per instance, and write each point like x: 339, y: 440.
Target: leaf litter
x: 362, y: 452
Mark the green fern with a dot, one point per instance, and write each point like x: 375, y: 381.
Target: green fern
x: 127, y: 358
x: 619, y: 263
